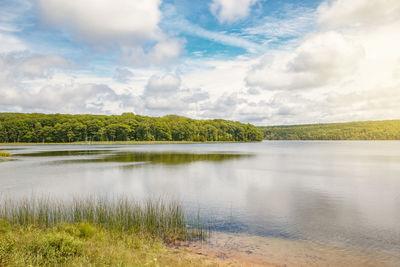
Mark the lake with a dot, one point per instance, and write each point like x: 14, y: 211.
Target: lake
x: 341, y: 195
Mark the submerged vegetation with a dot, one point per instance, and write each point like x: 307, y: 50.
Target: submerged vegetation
x: 93, y: 231
x: 59, y: 128
x: 368, y: 130
x: 5, y: 154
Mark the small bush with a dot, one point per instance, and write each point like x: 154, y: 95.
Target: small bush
x: 86, y: 230
x: 5, y: 154
x: 70, y: 229
x: 4, y: 226
x: 81, y: 230
x: 51, y: 248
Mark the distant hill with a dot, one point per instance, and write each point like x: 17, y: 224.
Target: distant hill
x: 363, y: 130
x: 62, y: 128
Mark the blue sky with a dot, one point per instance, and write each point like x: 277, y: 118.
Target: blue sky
x: 259, y: 61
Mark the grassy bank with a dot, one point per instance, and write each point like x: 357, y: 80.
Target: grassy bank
x: 5, y: 154
x: 87, y: 245
x: 94, y: 231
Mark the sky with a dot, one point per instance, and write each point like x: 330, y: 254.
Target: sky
x: 265, y: 62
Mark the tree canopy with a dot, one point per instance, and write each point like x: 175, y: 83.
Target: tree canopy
x: 367, y: 130
x: 62, y: 128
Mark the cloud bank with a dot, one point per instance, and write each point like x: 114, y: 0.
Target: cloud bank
x: 129, y: 25
x: 336, y: 62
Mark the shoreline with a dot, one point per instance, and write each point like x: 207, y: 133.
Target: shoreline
x: 180, y: 142
x: 250, y: 250
x: 127, y: 143
x: 95, y: 231
x: 89, y: 244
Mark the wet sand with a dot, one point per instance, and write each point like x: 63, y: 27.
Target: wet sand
x: 245, y: 250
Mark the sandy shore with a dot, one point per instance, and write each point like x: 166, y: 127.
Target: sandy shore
x: 245, y: 250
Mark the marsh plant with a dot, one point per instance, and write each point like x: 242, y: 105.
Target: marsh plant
x: 5, y: 154
x: 151, y: 218
x: 85, y: 244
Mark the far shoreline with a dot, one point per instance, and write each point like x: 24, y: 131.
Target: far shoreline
x: 129, y: 143
x: 189, y: 142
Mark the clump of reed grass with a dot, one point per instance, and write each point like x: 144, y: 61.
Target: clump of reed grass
x: 155, y: 218
x: 5, y: 154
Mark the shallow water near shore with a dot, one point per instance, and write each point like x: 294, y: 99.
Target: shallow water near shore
x: 249, y: 250
x: 292, y: 202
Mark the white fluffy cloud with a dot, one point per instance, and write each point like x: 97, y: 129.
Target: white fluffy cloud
x: 321, y: 59
x: 163, y: 85
x: 346, y: 70
x: 38, y: 66
x: 165, y: 94
x: 103, y: 20
x: 161, y: 54
x: 358, y: 12
x: 122, y: 75
x: 228, y: 11
x: 28, y: 83
x: 227, y: 105
x: 342, y: 54
x: 9, y: 43
x: 81, y: 98
x: 21, y: 66
x: 130, y: 25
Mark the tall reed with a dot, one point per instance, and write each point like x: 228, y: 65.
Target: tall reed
x: 156, y: 218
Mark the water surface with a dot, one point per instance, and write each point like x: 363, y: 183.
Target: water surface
x: 342, y: 194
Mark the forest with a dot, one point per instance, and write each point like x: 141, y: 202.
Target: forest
x: 61, y: 128
x: 364, y: 130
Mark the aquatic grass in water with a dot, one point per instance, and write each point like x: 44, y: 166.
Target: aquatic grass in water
x: 155, y: 218
x: 5, y: 154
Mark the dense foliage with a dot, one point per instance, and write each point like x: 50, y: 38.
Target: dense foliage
x: 368, y: 130
x: 59, y: 128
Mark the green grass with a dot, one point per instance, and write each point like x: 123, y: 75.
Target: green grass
x: 94, y: 231
x: 84, y: 244
x: 5, y: 154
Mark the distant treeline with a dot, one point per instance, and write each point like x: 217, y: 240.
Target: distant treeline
x: 60, y: 128
x: 368, y: 130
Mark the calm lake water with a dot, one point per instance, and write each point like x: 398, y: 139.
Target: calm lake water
x: 343, y: 194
